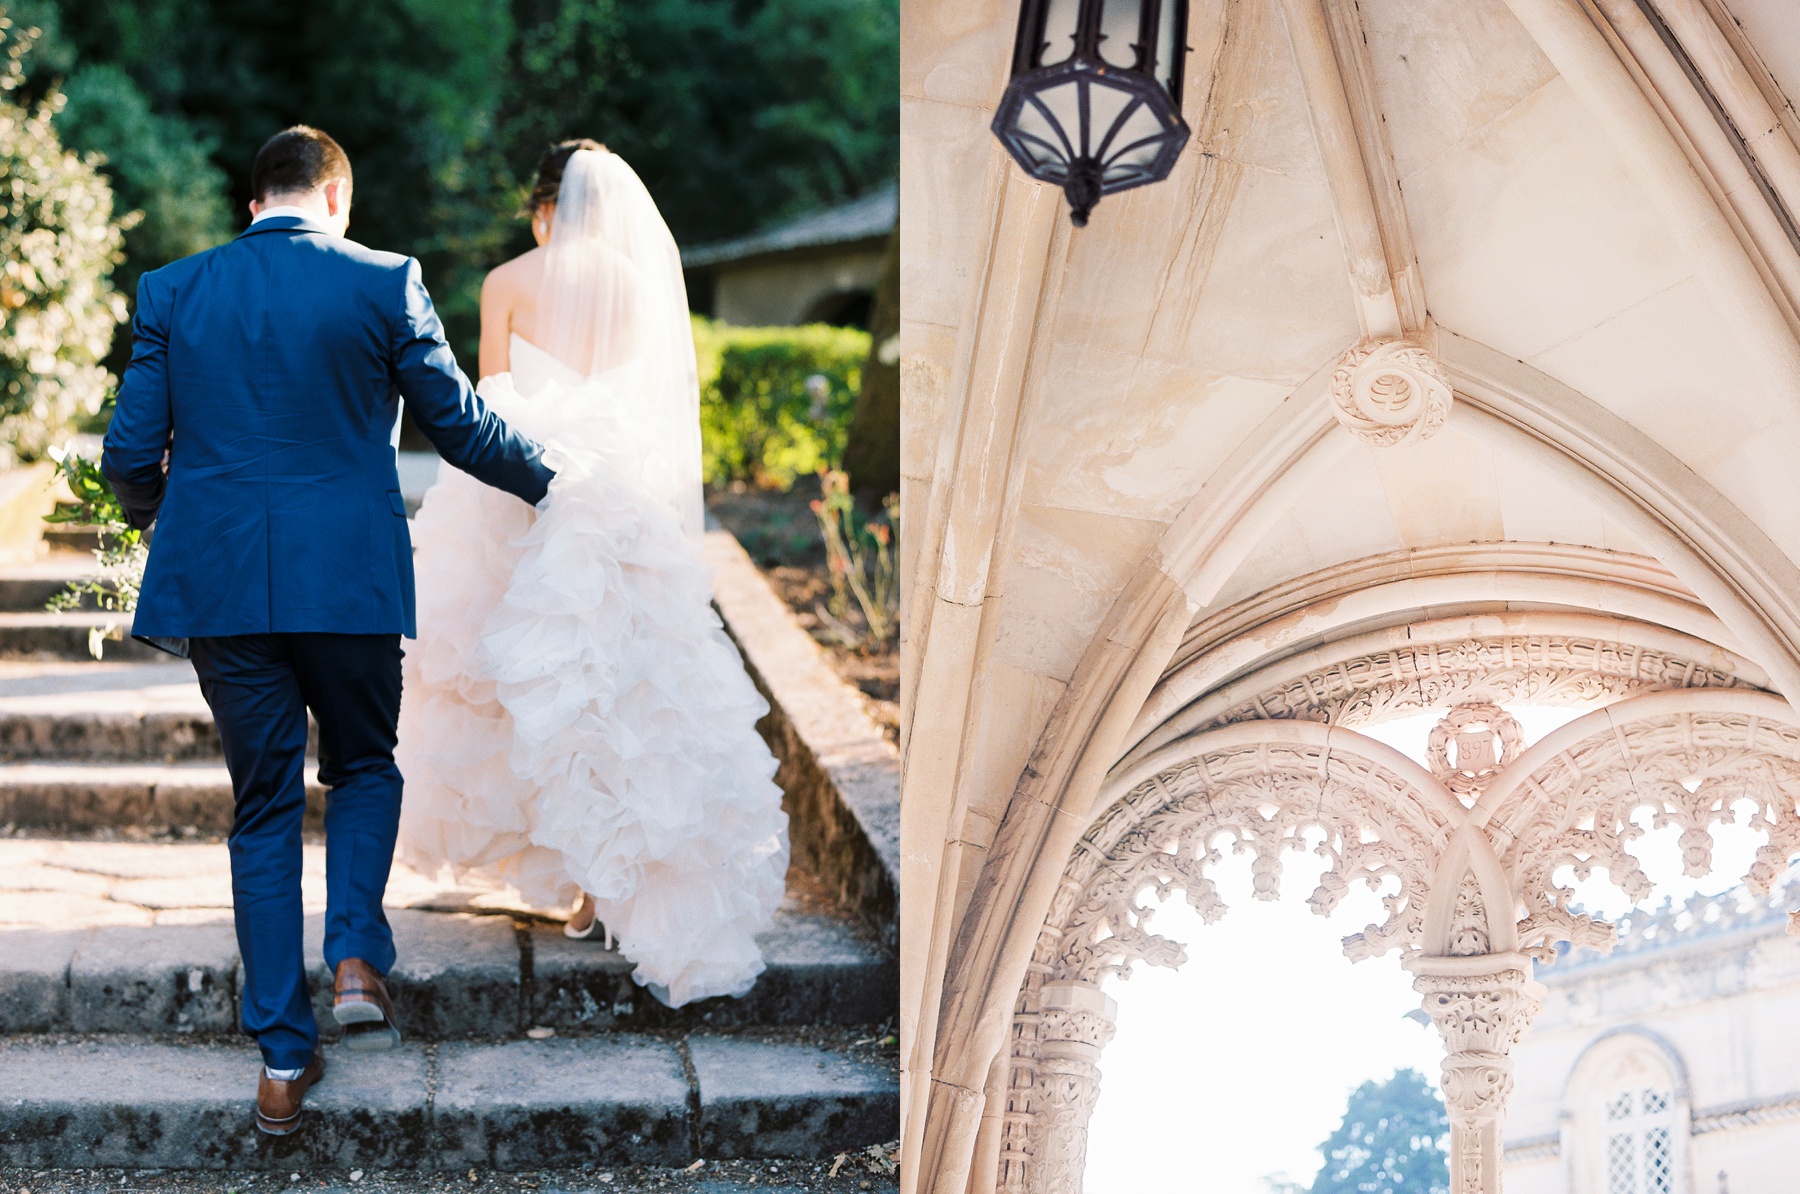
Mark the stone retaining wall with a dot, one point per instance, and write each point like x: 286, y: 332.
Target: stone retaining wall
x: 841, y: 776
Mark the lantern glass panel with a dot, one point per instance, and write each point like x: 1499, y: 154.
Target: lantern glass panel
x: 1045, y: 144
x: 1105, y: 106
x: 1064, y: 104
x: 1141, y: 126
x: 1133, y: 162
x: 1120, y: 31
x: 1062, y: 21
x: 1165, y: 46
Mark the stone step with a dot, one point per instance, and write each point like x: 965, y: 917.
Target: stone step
x: 68, y: 537
x: 152, y: 797
x: 88, y: 712
x: 65, y: 636
x: 613, y: 1099
x: 459, y: 974
x: 25, y: 588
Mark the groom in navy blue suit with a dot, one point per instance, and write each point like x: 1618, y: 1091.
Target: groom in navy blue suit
x: 253, y: 428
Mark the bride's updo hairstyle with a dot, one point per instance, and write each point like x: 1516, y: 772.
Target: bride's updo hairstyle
x: 550, y: 170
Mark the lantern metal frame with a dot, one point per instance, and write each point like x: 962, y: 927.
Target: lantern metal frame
x: 1086, y: 161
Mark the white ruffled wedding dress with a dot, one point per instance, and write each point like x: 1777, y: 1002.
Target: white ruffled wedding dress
x: 575, y: 717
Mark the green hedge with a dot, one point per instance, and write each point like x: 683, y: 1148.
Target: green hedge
x: 760, y: 421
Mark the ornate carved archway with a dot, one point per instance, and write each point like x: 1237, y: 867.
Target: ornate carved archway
x: 1466, y: 856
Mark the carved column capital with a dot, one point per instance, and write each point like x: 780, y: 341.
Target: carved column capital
x: 1481, y: 1005
x: 1390, y: 392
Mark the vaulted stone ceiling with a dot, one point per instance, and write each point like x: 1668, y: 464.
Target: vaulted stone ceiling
x: 1131, y: 490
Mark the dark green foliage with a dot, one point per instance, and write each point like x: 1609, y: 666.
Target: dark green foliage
x: 1393, y: 1141
x: 736, y: 112
x: 775, y: 403
x: 157, y: 165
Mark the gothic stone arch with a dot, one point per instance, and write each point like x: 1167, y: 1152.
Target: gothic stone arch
x: 1465, y: 855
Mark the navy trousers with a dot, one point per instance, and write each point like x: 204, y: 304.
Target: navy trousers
x: 260, y: 687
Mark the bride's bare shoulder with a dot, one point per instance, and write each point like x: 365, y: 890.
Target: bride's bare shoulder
x: 519, y: 276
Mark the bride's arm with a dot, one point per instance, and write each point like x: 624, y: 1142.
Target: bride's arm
x: 496, y: 325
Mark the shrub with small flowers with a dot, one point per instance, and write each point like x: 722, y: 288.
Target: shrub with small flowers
x: 860, y: 556
x: 58, y: 246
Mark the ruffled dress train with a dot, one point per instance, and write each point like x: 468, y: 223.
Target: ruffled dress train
x: 574, y: 717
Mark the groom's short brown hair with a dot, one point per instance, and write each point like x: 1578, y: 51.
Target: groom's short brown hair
x: 297, y: 160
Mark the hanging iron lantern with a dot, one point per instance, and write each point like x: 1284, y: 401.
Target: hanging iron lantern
x: 1094, y: 104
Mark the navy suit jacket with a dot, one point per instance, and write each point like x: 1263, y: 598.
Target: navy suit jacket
x: 270, y: 370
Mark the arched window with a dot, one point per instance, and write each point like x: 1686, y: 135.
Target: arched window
x: 1628, y: 1117
x: 1638, y: 1124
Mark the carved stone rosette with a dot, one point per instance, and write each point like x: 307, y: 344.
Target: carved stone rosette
x: 1390, y: 392
x: 1075, y: 1023
x: 1481, y: 1005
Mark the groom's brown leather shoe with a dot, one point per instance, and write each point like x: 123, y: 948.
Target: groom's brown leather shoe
x: 278, y: 1102
x: 361, y: 1004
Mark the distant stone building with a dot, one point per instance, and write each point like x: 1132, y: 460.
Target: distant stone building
x: 1670, y: 1066
x: 822, y: 267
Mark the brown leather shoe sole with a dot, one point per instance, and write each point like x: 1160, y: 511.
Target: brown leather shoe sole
x: 367, y: 1028
x: 362, y: 1005
x: 288, y: 1125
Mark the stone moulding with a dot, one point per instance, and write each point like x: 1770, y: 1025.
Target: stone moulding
x: 1541, y: 669
x: 841, y: 776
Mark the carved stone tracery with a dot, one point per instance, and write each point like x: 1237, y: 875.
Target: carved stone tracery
x: 1514, y: 815
x: 1513, y: 669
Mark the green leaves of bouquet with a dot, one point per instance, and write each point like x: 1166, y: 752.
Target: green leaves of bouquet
x: 121, y: 553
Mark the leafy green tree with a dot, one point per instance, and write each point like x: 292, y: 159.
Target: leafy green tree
x: 157, y: 165
x: 734, y: 112
x: 1393, y: 1141
x: 58, y: 246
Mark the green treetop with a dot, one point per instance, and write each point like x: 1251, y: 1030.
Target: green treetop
x: 1392, y: 1141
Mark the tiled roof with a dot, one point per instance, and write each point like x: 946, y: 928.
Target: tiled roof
x: 873, y: 215
x: 1652, y: 930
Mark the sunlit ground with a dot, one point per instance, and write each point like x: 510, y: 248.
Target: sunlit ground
x: 1238, y: 1065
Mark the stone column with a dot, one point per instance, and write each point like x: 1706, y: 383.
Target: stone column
x: 1075, y: 1022
x: 1481, y: 1005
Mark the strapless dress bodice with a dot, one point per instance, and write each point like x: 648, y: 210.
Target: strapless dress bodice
x: 533, y: 368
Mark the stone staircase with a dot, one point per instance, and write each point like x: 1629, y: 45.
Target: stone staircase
x: 119, y: 975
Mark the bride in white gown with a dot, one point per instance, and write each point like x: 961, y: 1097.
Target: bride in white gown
x: 576, y: 724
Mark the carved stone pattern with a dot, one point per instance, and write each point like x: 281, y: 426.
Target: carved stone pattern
x: 1390, y: 392
x: 1509, y: 669
x: 1485, y: 737
x: 1059, y: 1025
x: 1685, y: 769
x: 1479, y: 1014
x: 1053, y: 1079
x: 1265, y: 800
x: 1469, y: 936
x: 1065, y: 1093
